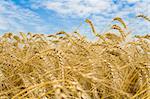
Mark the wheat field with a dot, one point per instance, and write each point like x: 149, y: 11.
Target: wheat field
x: 70, y: 66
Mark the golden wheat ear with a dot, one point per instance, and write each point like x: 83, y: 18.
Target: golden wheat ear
x: 121, y: 21
x: 91, y: 25
x: 93, y: 29
x: 16, y: 38
x: 146, y: 36
x: 62, y: 33
x: 116, y: 27
x: 144, y: 17
x: 7, y: 35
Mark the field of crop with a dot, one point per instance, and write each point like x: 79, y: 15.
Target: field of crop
x: 69, y: 66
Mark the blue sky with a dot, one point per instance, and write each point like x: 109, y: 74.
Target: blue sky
x: 50, y: 16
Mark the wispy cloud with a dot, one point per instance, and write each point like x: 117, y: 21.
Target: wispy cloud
x: 80, y: 8
x: 14, y: 18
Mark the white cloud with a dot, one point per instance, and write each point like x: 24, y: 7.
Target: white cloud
x: 84, y: 8
x: 14, y: 18
x: 78, y: 7
x: 3, y: 24
x: 133, y: 1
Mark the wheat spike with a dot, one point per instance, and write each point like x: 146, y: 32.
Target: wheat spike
x: 121, y: 21
x: 144, y: 17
